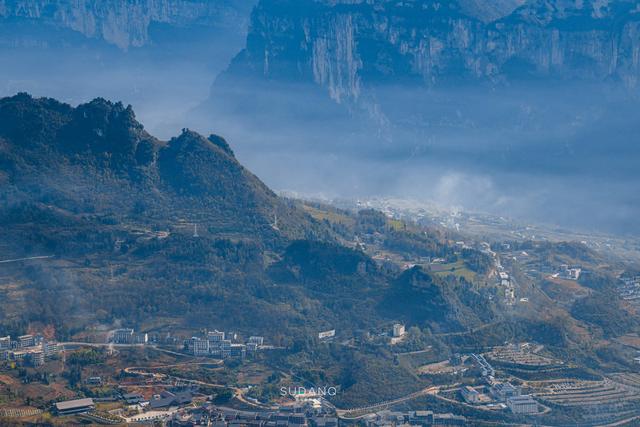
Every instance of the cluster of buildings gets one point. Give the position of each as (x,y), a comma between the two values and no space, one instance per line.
(487,369)
(518,403)
(413,418)
(568,272)
(218,344)
(291,416)
(509,395)
(507,286)
(128,336)
(32,350)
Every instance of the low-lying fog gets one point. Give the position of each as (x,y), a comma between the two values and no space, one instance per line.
(554,153)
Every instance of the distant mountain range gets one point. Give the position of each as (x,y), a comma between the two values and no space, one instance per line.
(347,46)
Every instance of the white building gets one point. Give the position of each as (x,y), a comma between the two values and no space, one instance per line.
(524,405)
(50,348)
(26,341)
(123,336)
(141,338)
(256,340)
(199,347)
(215,336)
(504,279)
(238,350)
(504,391)
(398,330)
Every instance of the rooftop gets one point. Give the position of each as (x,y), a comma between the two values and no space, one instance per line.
(72,404)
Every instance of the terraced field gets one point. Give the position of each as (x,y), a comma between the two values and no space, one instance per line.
(598,401)
(521,355)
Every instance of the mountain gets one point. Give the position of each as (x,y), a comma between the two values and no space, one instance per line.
(96,158)
(509,96)
(157,55)
(120,228)
(144,231)
(123,24)
(345,47)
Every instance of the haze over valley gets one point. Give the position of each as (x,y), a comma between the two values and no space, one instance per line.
(319,213)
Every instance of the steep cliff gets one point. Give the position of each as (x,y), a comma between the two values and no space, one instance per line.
(345,46)
(127,24)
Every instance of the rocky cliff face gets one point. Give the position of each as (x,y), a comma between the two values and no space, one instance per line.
(344,46)
(126,24)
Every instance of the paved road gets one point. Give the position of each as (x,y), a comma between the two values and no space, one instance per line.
(6,261)
(350,413)
(237,392)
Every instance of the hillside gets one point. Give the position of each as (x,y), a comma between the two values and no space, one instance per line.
(177,236)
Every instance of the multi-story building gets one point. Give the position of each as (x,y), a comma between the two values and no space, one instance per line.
(238,350)
(123,336)
(50,348)
(252,347)
(26,341)
(215,336)
(140,338)
(470,394)
(225,348)
(199,347)
(524,405)
(36,358)
(256,340)
(503,391)
(5,343)
(18,356)
(398,330)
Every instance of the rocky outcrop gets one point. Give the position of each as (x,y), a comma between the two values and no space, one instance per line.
(126,24)
(345,46)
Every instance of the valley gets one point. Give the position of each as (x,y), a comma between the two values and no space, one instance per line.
(167,270)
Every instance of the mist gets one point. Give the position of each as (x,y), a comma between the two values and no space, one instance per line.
(559,153)
(555,151)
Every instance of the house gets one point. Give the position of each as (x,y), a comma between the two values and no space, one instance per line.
(76,406)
